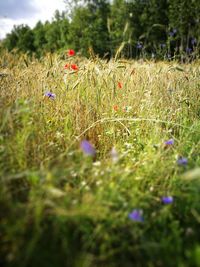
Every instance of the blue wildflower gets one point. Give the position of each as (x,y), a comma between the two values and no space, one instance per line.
(162,45)
(88,148)
(139,45)
(136,215)
(173,32)
(169,142)
(189,50)
(167,200)
(193,41)
(50,95)
(182,161)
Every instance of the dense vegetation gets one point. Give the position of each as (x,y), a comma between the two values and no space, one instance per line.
(131,196)
(147,28)
(100,159)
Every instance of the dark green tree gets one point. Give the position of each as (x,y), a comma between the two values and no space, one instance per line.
(128,28)
(88,28)
(56,32)
(39,38)
(21,38)
(184,17)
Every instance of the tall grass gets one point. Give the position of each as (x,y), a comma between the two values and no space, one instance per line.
(62,208)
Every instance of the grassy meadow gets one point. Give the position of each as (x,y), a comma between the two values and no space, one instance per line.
(63,207)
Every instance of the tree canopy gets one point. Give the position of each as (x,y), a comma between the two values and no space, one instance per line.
(131,27)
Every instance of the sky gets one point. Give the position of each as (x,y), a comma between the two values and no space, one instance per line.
(16,12)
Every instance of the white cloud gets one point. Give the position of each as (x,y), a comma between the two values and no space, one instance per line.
(43,10)
(14,9)
(48,7)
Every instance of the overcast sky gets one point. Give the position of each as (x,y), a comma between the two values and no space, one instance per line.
(15,12)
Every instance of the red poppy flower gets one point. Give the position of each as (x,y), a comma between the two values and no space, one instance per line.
(115,107)
(67,66)
(119,84)
(71,52)
(74,67)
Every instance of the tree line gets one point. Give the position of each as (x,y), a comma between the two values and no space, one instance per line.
(132,28)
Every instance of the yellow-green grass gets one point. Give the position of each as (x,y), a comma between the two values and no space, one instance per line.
(60,207)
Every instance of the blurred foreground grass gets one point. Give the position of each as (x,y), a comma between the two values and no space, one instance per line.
(60,207)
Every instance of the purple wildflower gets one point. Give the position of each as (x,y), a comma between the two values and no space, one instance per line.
(172,32)
(167,200)
(139,45)
(182,161)
(169,142)
(193,41)
(88,148)
(162,45)
(136,215)
(188,50)
(50,95)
